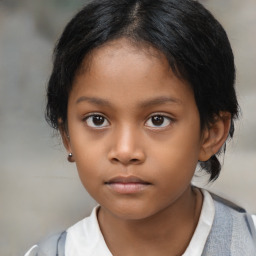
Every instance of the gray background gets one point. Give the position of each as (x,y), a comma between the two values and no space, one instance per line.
(40,192)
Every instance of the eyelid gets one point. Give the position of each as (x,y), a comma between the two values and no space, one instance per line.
(93,114)
(87,116)
(164,115)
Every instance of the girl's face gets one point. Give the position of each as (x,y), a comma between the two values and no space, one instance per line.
(134,130)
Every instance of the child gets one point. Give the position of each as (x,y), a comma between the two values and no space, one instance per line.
(142,91)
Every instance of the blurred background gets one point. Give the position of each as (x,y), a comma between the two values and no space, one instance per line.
(40,192)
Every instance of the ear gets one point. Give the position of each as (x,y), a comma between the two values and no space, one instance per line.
(66,140)
(214,136)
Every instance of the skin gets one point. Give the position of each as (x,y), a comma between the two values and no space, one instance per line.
(137,169)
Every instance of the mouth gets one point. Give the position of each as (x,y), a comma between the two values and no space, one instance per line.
(127,184)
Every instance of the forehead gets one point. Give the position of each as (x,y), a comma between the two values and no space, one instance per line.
(121,67)
(125,47)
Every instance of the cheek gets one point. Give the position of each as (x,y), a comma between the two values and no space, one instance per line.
(88,170)
(89,158)
(173,171)
(178,156)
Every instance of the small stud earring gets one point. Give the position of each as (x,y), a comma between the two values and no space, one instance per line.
(70,155)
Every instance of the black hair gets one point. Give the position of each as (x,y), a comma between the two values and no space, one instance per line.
(193,41)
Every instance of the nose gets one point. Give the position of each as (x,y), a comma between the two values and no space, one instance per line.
(126,147)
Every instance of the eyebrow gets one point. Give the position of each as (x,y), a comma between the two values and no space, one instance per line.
(147,103)
(159,101)
(93,100)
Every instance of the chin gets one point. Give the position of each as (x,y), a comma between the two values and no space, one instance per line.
(130,212)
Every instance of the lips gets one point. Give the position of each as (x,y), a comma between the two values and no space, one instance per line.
(127,185)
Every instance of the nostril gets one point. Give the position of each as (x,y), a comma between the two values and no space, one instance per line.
(115,160)
(131,161)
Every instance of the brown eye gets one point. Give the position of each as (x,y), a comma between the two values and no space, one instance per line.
(96,121)
(158,121)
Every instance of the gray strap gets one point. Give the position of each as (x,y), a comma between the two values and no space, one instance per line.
(220,237)
(61,244)
(52,246)
(232,233)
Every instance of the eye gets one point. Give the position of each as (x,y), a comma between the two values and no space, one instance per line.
(158,121)
(96,121)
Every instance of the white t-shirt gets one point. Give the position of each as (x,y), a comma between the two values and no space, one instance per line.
(85,237)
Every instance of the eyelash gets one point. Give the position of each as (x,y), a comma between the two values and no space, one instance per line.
(165,119)
(89,121)
(89,117)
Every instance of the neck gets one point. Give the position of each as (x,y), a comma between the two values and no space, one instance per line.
(166,233)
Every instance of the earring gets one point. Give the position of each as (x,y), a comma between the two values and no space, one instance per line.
(70,155)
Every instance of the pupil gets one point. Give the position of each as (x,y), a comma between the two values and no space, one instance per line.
(157,120)
(98,120)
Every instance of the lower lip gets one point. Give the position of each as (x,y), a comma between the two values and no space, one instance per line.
(128,188)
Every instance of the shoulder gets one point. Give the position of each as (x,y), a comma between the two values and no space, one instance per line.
(83,233)
(86,238)
(227,208)
(224,202)
(229,212)
(233,230)
(51,246)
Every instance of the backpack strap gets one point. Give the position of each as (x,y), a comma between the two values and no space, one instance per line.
(233,232)
(52,246)
(61,244)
